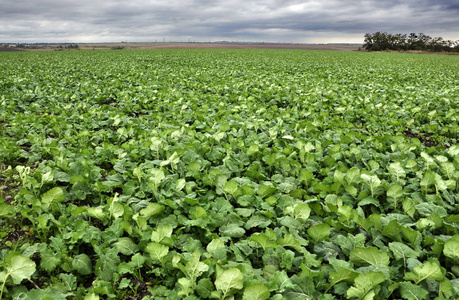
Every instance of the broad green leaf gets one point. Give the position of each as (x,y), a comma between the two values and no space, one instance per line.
(290,241)
(126,246)
(265,191)
(256,291)
(195,267)
(137,260)
(428,270)
(116,210)
(152,209)
(205,288)
(364,285)
(217,249)
(186,286)
(180,184)
(402,251)
(370,256)
(427,180)
(232,188)
(453,150)
(54,195)
(82,264)
(446,289)
(353,176)
(107,264)
(410,291)
(5,210)
(91,296)
(428,209)
(263,240)
(229,282)
(49,260)
(19,268)
(162,235)
(253,149)
(232,230)
(301,211)
(97,212)
(397,170)
(319,232)
(395,192)
(341,275)
(451,248)
(371,180)
(409,207)
(157,251)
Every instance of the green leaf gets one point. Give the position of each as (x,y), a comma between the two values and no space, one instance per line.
(365,284)
(217,249)
(137,260)
(319,232)
(157,251)
(116,210)
(107,264)
(54,195)
(451,248)
(91,296)
(301,211)
(257,291)
(428,180)
(204,288)
(180,184)
(232,188)
(454,150)
(229,282)
(341,275)
(263,240)
(194,268)
(186,286)
(402,251)
(290,241)
(5,210)
(429,270)
(232,230)
(265,191)
(126,246)
(157,176)
(410,291)
(19,267)
(394,192)
(97,212)
(49,260)
(162,235)
(82,264)
(370,256)
(152,209)
(353,176)
(397,170)
(446,289)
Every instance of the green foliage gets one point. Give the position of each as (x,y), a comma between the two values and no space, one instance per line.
(223,174)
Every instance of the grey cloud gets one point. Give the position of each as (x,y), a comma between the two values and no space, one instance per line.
(269,20)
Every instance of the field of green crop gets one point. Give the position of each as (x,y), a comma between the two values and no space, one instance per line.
(229,174)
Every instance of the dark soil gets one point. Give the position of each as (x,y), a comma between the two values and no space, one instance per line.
(425,138)
(7,49)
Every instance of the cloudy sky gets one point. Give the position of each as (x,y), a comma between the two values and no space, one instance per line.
(300,21)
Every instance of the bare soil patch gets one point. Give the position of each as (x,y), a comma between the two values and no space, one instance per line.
(8,49)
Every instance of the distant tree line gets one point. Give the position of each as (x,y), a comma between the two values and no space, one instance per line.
(380,41)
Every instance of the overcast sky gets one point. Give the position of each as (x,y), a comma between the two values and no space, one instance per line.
(306,21)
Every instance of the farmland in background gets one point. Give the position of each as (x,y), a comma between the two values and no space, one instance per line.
(229,174)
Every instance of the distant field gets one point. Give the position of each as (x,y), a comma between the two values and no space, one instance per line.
(228,174)
(103,46)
